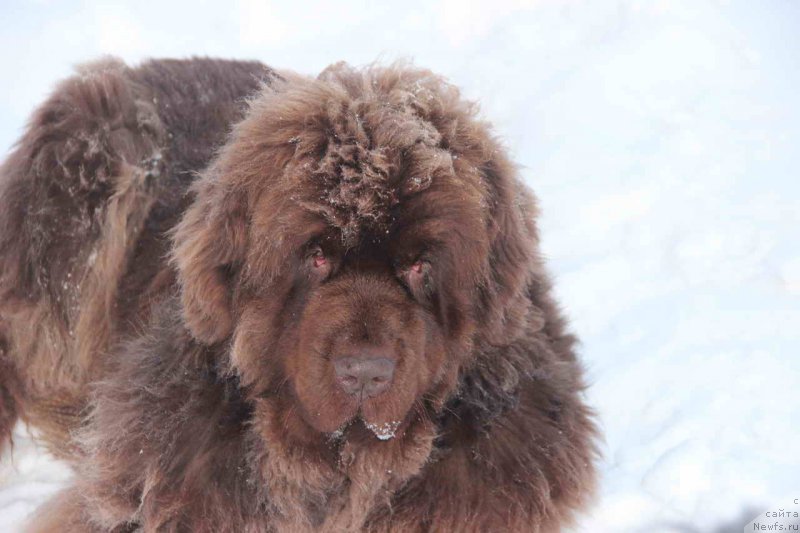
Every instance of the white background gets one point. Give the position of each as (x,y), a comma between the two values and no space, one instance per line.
(661,138)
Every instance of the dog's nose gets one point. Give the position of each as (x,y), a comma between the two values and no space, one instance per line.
(370,375)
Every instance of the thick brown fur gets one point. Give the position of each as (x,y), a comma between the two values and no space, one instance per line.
(174,336)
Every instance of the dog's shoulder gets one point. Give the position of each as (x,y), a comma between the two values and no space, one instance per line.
(87,197)
(110,135)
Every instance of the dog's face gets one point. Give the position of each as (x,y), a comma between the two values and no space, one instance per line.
(355,239)
(372,324)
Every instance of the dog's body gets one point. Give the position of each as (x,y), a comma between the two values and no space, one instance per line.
(200,394)
(88,196)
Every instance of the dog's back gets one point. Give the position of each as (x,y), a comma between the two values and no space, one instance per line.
(87,199)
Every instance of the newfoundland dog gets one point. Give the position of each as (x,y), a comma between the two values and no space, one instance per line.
(239,299)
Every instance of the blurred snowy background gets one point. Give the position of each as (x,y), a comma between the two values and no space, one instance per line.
(661,138)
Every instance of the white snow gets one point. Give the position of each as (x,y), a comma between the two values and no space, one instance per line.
(384,431)
(27,478)
(662,140)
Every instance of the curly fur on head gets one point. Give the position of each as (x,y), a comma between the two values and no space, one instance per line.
(366,214)
(373,155)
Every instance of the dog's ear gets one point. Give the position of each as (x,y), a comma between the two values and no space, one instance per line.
(208,247)
(514,261)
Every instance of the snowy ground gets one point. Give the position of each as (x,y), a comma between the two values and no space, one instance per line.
(662,140)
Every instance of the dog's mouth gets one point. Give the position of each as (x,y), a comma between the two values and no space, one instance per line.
(383,417)
(379,425)
(382,431)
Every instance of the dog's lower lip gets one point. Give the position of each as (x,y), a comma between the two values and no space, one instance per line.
(385,430)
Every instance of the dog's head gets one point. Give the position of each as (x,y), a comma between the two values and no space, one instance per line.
(356,238)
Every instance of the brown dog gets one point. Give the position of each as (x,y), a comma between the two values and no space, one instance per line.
(355,330)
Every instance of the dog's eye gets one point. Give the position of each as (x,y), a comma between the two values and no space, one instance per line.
(320,264)
(415,277)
